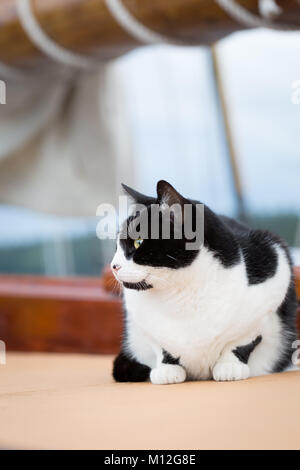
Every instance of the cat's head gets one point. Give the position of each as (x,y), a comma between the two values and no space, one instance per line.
(153,243)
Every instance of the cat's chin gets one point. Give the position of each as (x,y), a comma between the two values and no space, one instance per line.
(139,286)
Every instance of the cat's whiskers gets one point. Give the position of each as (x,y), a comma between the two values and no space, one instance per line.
(114,285)
(171,257)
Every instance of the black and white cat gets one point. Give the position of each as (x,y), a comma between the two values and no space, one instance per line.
(225,311)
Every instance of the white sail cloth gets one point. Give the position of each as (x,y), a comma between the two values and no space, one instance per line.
(63,142)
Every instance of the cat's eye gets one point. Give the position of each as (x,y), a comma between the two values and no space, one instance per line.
(137,243)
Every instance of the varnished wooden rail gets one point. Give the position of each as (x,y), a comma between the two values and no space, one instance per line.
(86,26)
(64,315)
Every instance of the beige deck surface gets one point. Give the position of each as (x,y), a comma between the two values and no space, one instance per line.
(70,401)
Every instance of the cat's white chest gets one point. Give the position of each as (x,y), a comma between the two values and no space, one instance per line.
(186,335)
(204,314)
(189,322)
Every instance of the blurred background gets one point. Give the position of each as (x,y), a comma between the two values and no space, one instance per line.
(94,93)
(175,131)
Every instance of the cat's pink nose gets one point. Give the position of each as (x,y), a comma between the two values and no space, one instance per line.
(116,267)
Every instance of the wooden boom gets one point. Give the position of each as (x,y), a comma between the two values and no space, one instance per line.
(87,26)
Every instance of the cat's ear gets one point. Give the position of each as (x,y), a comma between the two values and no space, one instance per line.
(166,194)
(137,197)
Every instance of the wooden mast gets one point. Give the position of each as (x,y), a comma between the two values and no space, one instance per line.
(86,26)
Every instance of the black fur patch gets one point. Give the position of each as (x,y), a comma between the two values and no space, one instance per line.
(243,352)
(142,285)
(220,239)
(160,252)
(126,369)
(169,359)
(258,248)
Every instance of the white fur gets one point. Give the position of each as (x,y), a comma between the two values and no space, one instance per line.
(228,371)
(200,313)
(167,374)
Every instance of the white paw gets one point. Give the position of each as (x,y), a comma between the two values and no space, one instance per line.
(224,371)
(167,374)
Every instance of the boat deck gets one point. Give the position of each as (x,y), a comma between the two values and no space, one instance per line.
(65,401)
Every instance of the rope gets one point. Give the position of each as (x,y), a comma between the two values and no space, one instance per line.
(268,9)
(134,27)
(46,44)
(71,59)
(242,15)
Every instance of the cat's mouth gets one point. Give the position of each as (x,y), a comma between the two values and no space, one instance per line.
(142,285)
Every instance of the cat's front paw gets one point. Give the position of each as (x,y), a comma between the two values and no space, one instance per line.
(167,374)
(228,371)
